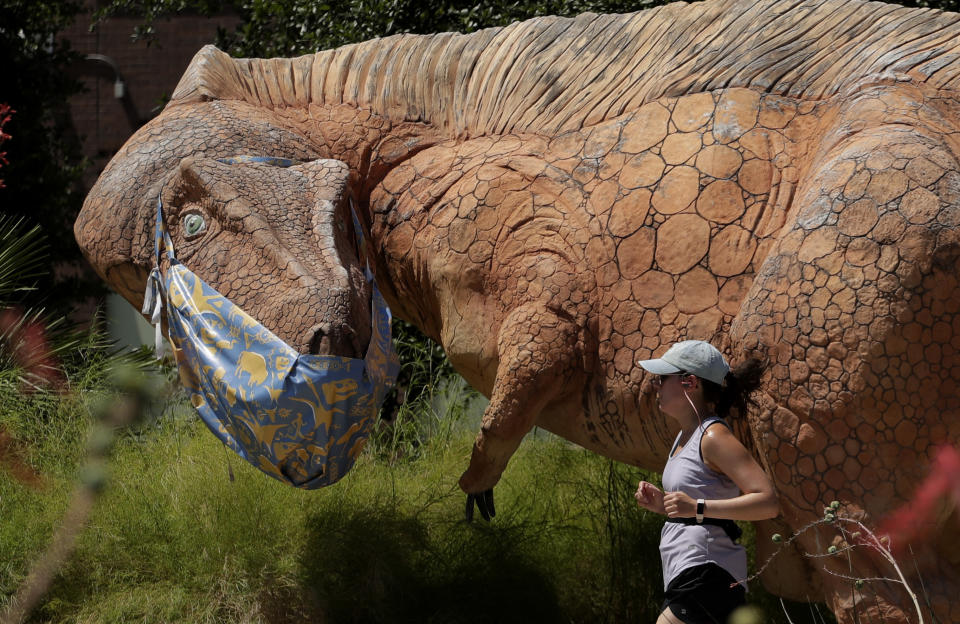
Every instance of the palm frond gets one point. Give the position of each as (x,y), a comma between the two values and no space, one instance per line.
(22,256)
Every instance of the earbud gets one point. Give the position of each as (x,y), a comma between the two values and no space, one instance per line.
(686,383)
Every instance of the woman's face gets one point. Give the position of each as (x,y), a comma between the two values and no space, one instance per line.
(673,391)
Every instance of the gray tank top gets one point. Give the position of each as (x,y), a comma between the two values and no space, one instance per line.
(683,546)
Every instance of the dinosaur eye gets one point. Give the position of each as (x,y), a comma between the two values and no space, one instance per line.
(194,224)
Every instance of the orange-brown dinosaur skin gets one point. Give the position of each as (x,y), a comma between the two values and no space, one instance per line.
(820,234)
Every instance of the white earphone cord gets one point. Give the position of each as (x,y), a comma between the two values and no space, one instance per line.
(695,410)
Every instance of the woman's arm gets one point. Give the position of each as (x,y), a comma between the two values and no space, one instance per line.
(723,452)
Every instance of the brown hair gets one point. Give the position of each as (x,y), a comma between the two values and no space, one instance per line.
(739,385)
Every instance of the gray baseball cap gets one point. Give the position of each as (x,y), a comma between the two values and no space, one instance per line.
(690,356)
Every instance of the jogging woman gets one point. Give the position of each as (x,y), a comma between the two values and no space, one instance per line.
(710,480)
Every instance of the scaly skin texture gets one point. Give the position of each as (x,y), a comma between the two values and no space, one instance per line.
(818,234)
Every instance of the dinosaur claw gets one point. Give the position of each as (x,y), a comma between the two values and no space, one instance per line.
(488,500)
(484,502)
(482,506)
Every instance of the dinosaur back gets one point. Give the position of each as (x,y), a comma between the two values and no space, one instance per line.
(550,74)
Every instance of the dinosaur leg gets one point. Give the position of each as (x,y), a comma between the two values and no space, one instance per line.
(857,309)
(537,363)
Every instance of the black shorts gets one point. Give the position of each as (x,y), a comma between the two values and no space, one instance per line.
(702,595)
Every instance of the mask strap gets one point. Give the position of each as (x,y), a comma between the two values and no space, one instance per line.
(152,296)
(161,232)
(360,240)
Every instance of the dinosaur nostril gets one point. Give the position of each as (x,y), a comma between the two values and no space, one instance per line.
(319,343)
(332,341)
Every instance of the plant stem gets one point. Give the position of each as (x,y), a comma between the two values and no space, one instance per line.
(41,575)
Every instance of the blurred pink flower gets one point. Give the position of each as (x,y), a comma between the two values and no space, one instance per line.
(26,342)
(914,520)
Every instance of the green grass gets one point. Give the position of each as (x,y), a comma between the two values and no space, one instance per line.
(174,539)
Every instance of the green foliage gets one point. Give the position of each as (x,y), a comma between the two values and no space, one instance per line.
(269,28)
(50,376)
(175,540)
(27,355)
(943,5)
(22,258)
(39,349)
(286,29)
(45,163)
(151,10)
(428,401)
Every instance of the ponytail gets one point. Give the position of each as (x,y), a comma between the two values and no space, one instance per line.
(739,385)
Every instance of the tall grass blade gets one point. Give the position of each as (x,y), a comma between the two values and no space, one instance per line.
(22,256)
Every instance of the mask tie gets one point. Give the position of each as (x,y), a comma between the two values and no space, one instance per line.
(360,242)
(153,295)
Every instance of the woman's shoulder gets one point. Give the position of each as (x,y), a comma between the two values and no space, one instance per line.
(717,436)
(713,423)
(717,429)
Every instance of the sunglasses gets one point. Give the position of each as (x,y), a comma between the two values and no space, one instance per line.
(659,380)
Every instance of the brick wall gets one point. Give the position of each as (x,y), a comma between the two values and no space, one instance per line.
(149,74)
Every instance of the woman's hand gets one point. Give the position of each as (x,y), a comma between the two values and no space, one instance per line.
(649,497)
(679,505)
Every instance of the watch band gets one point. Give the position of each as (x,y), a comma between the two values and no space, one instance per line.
(701,504)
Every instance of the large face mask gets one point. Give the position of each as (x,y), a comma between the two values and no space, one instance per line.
(302,419)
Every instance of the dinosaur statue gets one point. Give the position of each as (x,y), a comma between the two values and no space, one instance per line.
(554,200)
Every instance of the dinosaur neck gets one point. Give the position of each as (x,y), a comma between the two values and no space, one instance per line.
(377,150)
(372,146)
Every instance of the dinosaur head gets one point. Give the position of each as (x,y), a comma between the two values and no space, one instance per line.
(277,241)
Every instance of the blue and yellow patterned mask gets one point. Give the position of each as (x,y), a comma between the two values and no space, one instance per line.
(302,419)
